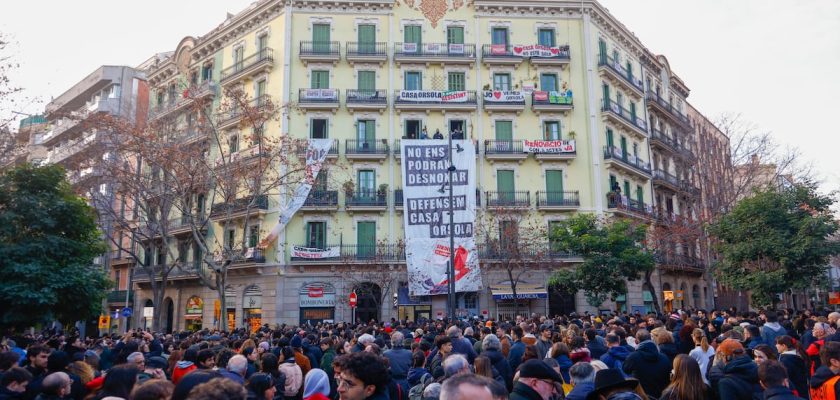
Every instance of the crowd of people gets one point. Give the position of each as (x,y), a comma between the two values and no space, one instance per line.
(684,355)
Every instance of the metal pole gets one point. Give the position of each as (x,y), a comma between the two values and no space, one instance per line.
(450,271)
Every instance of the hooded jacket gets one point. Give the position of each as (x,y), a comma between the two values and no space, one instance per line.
(615,355)
(416,374)
(565,363)
(736,380)
(670,350)
(596,349)
(650,367)
(797,370)
(770,331)
(182,368)
(497,359)
(823,375)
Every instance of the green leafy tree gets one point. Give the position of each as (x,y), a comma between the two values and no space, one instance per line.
(48,241)
(776,240)
(613,253)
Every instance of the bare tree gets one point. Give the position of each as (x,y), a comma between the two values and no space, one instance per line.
(373,263)
(11,101)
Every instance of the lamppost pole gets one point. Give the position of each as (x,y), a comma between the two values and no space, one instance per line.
(450,271)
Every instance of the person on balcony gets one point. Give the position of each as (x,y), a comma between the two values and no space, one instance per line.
(437,135)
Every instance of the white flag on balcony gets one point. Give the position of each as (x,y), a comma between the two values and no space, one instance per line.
(426,201)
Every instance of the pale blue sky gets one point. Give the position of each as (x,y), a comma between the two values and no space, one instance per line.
(776,62)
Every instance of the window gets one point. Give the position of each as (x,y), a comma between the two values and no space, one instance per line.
(259,91)
(196,254)
(318,129)
(238,56)
(615,57)
(147,256)
(366,238)
(501,82)
(321,38)
(548,82)
(619,99)
(629,70)
(200,204)
(262,44)
(623,143)
(233,143)
(367,184)
(316,235)
(455,35)
(636,150)
(632,111)
(230,239)
(545,36)
(117,279)
(457,125)
(253,235)
(505,186)
(640,195)
(470,300)
(602,51)
(183,251)
(413,34)
(499,36)
(367,81)
(508,233)
(207,72)
(627,189)
(551,130)
(320,79)
(614,183)
(413,80)
(412,129)
(504,130)
(367,38)
(457,81)
(605,89)
(610,142)
(554,186)
(366,133)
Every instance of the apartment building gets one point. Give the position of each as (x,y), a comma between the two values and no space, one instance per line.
(369,74)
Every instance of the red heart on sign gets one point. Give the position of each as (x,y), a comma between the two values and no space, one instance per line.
(555,50)
(497,95)
(517,49)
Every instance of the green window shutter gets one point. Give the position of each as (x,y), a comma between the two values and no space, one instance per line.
(320,184)
(262,43)
(499,36)
(413,34)
(627,189)
(606,94)
(366,132)
(501,82)
(413,80)
(320,79)
(629,70)
(640,195)
(546,37)
(316,234)
(548,82)
(613,182)
(504,130)
(602,51)
(367,80)
(554,186)
(504,181)
(253,237)
(623,142)
(455,35)
(367,183)
(321,38)
(457,81)
(366,238)
(552,130)
(610,141)
(633,111)
(367,38)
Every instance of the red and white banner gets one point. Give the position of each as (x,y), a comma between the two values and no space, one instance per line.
(502,96)
(548,146)
(455,96)
(498,49)
(538,50)
(315,254)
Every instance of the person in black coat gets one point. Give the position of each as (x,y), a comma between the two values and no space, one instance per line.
(792,358)
(492,350)
(596,348)
(772,375)
(736,377)
(650,367)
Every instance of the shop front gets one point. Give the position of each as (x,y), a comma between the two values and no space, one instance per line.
(414,308)
(230,308)
(317,302)
(194,313)
(530,298)
(252,308)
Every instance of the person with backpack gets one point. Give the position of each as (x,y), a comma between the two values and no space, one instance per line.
(616,353)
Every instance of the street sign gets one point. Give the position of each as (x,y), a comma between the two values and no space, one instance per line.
(126,312)
(353,299)
(104,321)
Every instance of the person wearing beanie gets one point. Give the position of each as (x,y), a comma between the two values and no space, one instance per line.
(316,386)
(301,359)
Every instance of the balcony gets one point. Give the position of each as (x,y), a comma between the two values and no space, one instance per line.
(504,150)
(76,120)
(551,102)
(366,100)
(367,52)
(435,100)
(303,144)
(203,90)
(248,206)
(398,199)
(617,74)
(509,200)
(558,200)
(552,150)
(234,116)
(561,56)
(503,101)
(140,274)
(614,157)
(679,263)
(664,107)
(366,149)
(663,141)
(320,52)
(60,153)
(535,252)
(119,296)
(260,62)
(628,207)
(366,200)
(242,260)
(83,175)
(619,115)
(183,224)
(347,253)
(664,179)
(242,157)
(321,200)
(689,188)
(318,99)
(499,54)
(434,53)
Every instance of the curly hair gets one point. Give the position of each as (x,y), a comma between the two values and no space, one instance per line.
(368,368)
(218,389)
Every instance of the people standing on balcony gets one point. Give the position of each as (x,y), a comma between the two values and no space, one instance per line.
(424,134)
(437,135)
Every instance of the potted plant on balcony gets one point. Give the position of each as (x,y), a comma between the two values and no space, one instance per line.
(348,187)
(382,191)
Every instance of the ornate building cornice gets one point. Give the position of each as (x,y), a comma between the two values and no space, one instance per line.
(234,27)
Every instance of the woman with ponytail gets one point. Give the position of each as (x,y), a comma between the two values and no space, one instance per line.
(793,357)
(702,352)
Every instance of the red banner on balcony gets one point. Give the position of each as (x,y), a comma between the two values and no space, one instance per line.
(548,146)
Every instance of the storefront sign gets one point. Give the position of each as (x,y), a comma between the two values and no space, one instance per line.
(252,301)
(317,294)
(554,97)
(195,306)
(427,228)
(502,96)
(315,254)
(455,96)
(538,50)
(548,146)
(320,94)
(523,292)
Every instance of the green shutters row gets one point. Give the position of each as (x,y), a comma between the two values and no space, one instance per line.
(367,80)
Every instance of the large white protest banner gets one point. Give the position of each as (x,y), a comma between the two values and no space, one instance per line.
(426,196)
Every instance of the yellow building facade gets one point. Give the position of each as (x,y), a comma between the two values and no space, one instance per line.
(497,73)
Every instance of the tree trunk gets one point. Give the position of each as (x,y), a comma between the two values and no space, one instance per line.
(513,292)
(158,309)
(649,285)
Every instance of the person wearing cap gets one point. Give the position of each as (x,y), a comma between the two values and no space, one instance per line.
(733,375)
(301,359)
(537,381)
(153,369)
(610,384)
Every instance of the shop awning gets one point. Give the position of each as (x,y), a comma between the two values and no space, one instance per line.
(192,316)
(404,299)
(523,291)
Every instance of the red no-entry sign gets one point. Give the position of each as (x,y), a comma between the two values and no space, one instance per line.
(353,299)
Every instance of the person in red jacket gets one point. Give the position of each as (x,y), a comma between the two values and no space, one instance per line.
(185,366)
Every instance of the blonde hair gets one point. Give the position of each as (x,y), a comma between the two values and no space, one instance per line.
(661,335)
(701,339)
(83,370)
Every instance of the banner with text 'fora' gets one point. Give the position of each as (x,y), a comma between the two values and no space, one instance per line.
(426,211)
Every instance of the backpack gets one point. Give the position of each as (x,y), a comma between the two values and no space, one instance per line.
(416,391)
